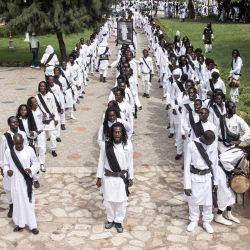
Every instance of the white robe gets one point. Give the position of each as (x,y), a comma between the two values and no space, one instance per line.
(23,210)
(113,188)
(3,147)
(200,184)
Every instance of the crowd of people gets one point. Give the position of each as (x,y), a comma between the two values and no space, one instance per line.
(208,132)
(36,127)
(205,125)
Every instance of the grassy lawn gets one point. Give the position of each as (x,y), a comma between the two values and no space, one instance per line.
(227,37)
(21,55)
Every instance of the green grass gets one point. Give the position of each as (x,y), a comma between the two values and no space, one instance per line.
(227,38)
(21,55)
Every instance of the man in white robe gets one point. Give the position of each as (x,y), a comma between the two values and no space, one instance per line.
(23,200)
(198,176)
(50,60)
(114,181)
(231,159)
(203,125)
(146,70)
(4,145)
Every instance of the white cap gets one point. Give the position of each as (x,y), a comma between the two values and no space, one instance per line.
(177,71)
(178,33)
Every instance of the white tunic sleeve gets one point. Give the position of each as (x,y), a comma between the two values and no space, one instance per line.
(245,128)
(101,162)
(35,165)
(130,162)
(187,163)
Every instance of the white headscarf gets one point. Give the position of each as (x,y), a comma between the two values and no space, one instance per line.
(49,50)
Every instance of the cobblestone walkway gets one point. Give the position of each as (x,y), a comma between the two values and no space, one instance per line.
(68,205)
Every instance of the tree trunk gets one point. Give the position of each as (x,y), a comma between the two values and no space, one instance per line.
(61,45)
(191,12)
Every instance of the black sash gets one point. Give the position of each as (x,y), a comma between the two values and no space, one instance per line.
(190,111)
(216,111)
(223,126)
(150,70)
(49,59)
(9,140)
(103,56)
(204,154)
(20,125)
(56,80)
(180,86)
(44,104)
(205,157)
(198,129)
(59,109)
(27,178)
(114,164)
(211,85)
(68,84)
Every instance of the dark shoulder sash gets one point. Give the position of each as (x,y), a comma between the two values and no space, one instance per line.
(198,129)
(20,125)
(180,86)
(190,111)
(112,160)
(59,109)
(44,104)
(9,140)
(56,80)
(28,179)
(146,64)
(216,111)
(211,85)
(49,59)
(68,84)
(203,153)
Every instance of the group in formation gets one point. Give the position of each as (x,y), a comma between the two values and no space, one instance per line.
(207,130)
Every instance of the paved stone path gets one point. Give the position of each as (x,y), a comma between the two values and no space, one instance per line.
(68,205)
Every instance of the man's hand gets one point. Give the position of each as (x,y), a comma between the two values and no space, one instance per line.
(188,192)
(130,183)
(183,137)
(168,107)
(9,172)
(99,182)
(27,170)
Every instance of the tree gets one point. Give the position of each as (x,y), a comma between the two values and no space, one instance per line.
(191,12)
(53,16)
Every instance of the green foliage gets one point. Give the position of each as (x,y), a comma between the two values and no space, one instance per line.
(21,55)
(227,38)
(52,16)
(65,16)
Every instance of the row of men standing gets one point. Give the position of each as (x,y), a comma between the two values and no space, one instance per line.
(37,126)
(206,127)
